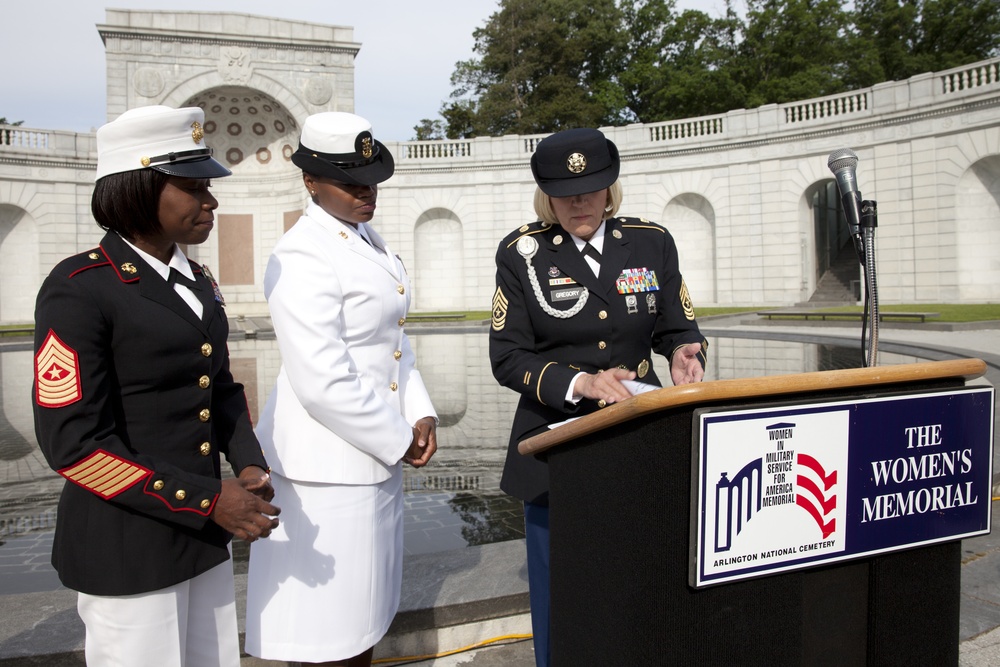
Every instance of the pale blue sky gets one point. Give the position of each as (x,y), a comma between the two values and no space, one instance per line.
(54,70)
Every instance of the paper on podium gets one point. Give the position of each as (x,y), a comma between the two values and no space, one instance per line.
(634,388)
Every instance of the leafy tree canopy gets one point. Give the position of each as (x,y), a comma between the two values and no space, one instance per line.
(544,65)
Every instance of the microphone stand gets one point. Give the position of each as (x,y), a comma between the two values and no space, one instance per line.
(869,221)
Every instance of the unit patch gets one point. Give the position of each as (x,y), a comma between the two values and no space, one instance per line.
(105,474)
(57,374)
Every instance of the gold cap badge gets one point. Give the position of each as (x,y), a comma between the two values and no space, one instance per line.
(576,163)
(196,133)
(366,147)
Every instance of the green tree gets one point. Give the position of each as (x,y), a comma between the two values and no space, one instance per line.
(428,129)
(542,65)
(679,66)
(793,50)
(902,38)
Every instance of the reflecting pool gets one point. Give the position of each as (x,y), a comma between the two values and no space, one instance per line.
(454,502)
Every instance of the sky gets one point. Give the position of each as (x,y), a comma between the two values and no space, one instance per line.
(54,73)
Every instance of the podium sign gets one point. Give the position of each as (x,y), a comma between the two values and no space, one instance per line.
(781,488)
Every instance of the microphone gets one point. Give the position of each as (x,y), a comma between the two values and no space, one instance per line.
(843,162)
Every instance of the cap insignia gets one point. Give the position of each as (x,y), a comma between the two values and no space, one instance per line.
(197,133)
(576,163)
(366,147)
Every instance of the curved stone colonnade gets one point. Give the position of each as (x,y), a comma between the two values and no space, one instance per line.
(747,194)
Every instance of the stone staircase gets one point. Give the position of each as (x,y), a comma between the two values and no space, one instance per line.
(841,283)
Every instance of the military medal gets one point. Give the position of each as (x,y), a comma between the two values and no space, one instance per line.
(215,285)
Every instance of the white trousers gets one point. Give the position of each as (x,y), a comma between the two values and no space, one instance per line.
(190,624)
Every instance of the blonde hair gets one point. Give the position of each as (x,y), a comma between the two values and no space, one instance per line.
(545,213)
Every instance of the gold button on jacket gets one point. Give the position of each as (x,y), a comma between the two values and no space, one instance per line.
(206,350)
(204,415)
(181,494)
(205,449)
(204,381)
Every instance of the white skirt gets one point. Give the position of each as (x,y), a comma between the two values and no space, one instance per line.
(325,585)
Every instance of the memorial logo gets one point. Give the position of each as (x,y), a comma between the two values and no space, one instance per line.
(775,491)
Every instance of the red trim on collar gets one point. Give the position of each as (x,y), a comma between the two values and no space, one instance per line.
(118,270)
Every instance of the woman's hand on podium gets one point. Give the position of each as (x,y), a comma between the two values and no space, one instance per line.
(685,367)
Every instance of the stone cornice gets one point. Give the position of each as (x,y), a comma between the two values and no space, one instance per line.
(108,32)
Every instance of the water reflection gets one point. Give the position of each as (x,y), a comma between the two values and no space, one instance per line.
(456,501)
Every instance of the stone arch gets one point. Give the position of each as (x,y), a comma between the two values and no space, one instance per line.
(20,268)
(197,85)
(439,263)
(250,132)
(691,220)
(978,230)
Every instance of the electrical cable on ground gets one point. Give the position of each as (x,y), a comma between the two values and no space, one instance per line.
(411,659)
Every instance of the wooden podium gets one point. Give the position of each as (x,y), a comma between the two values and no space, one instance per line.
(622,529)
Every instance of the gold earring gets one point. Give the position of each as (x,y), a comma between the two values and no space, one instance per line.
(312,192)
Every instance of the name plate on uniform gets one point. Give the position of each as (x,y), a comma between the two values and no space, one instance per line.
(794,486)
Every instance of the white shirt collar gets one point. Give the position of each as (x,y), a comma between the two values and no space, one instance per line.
(177,261)
(597,240)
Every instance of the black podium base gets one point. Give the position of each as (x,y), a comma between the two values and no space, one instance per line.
(620,522)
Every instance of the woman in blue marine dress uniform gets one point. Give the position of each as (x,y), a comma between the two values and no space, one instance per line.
(583,299)
(135,404)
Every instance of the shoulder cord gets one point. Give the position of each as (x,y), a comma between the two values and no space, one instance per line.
(554,312)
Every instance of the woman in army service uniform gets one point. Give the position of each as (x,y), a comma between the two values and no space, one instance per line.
(134,404)
(582,300)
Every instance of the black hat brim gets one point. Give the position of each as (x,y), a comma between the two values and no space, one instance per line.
(376,171)
(581,184)
(201,167)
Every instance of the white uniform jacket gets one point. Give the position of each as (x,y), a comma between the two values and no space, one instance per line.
(347,392)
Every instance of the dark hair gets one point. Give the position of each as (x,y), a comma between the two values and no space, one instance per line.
(128,202)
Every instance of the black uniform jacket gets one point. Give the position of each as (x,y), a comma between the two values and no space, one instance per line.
(134,403)
(638,303)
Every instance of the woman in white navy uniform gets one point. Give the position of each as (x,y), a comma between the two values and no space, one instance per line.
(135,404)
(348,407)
